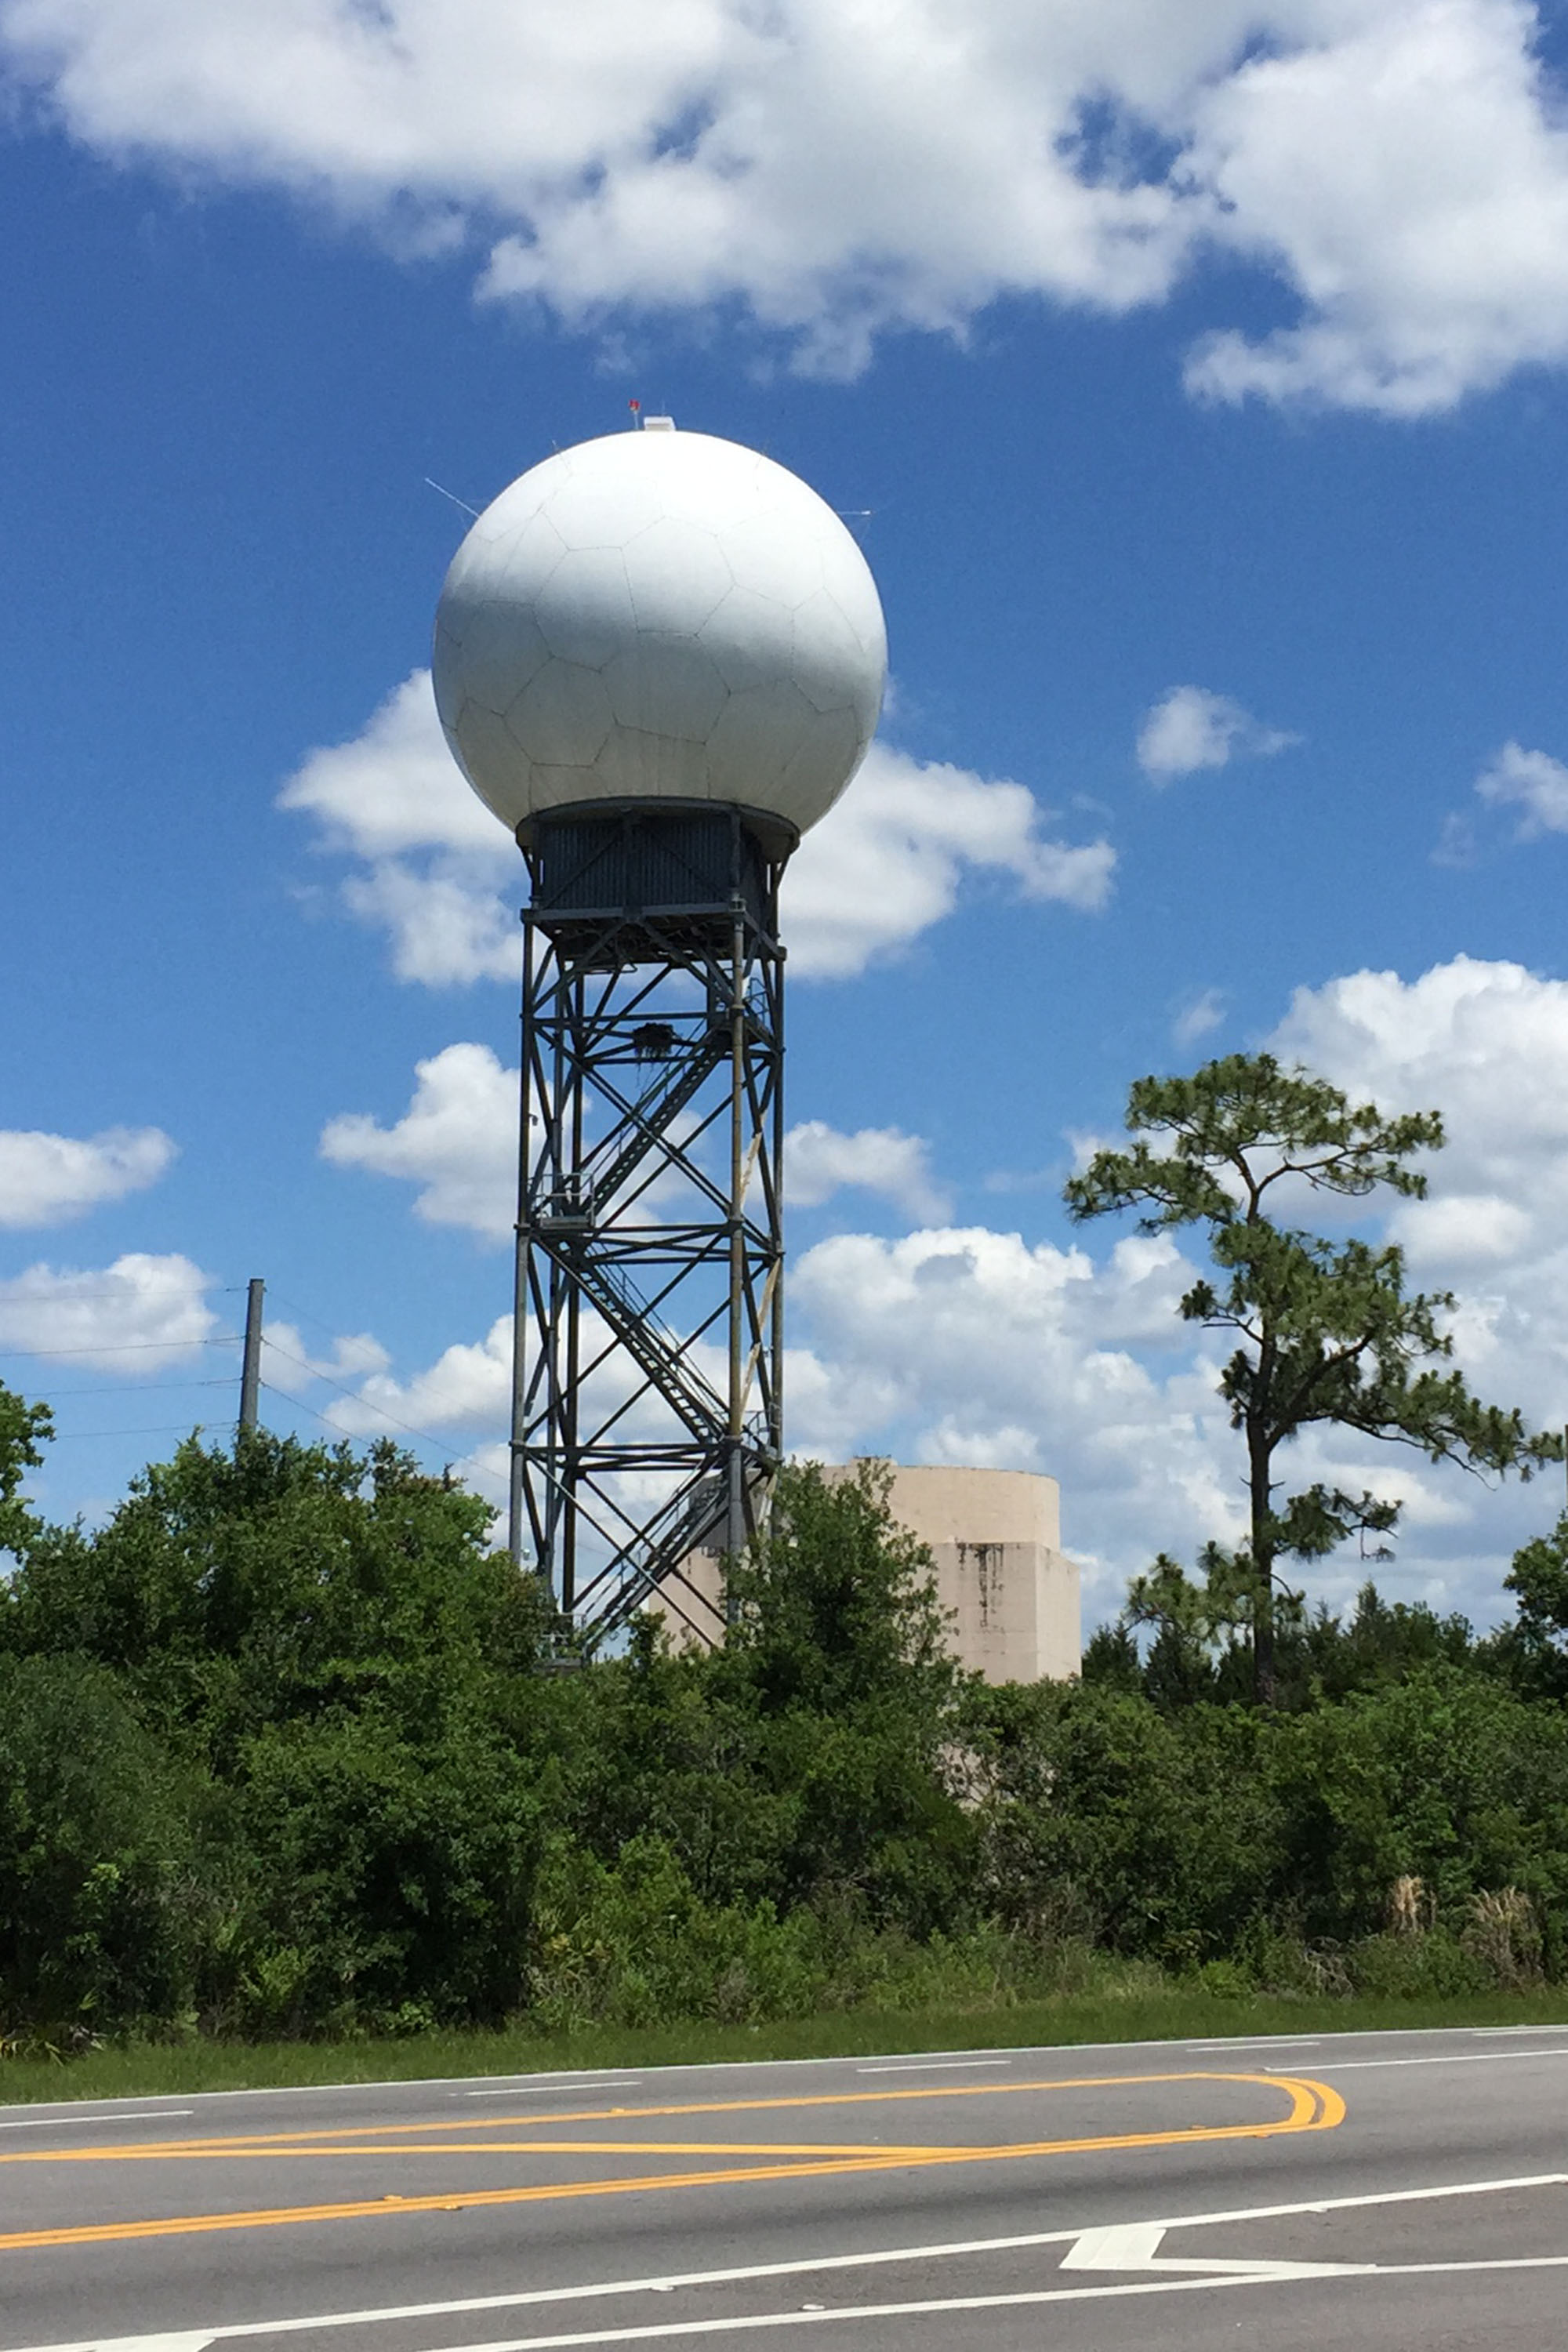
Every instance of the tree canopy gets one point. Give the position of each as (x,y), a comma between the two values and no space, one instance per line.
(276,1758)
(1327,1332)
(23,1428)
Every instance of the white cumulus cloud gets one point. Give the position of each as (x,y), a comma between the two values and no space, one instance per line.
(1199,1016)
(46,1180)
(438,873)
(290,1364)
(894,854)
(139,1315)
(1404,165)
(445,927)
(1192,729)
(820,1161)
(1398,168)
(1533,782)
(468,1386)
(458,1141)
(396,787)
(972,1346)
(1486,1044)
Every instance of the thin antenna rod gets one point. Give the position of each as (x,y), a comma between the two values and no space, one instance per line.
(456,501)
(250,1376)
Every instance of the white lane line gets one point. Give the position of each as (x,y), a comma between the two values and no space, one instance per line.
(111,2111)
(932,2066)
(1453,2058)
(1263,2042)
(1037,2052)
(591,2080)
(855,2311)
(137,2115)
(1231,2275)
(1262,2274)
(743,2276)
(165,2343)
(1375,2196)
(526,2090)
(562,2079)
(1479,2031)
(819,2264)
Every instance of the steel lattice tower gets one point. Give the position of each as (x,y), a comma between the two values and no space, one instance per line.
(647,1413)
(659,658)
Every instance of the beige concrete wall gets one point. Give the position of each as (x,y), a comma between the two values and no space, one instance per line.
(1001,1573)
(692,1603)
(1002,1576)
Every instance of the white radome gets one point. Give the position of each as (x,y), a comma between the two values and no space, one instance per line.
(659,615)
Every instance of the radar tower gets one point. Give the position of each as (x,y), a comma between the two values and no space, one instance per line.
(659,657)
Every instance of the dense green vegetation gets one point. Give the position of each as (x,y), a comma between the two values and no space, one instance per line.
(276,1758)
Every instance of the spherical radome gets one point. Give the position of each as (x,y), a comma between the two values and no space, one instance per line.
(659,615)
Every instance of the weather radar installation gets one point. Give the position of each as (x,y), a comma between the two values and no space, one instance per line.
(659,657)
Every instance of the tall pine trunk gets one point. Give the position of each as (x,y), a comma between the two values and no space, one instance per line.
(1259,1488)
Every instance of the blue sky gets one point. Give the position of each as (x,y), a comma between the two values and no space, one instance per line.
(1222,416)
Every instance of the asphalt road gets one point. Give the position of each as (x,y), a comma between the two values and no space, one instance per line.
(1373,2191)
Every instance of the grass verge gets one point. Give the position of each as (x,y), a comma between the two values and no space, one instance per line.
(154,2070)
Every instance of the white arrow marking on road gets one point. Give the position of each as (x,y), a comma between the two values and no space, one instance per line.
(1131,2246)
(1219,2275)
(1135,2246)
(394,2313)
(154,2343)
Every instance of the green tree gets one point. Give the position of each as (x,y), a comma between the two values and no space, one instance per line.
(22,1427)
(239,1589)
(1533,1650)
(1384,1644)
(1326,1330)
(98,1917)
(317,1657)
(845,1703)
(1201,1629)
(1201,1626)
(1153,1833)
(387,1871)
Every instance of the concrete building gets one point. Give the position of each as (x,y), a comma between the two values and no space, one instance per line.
(1002,1576)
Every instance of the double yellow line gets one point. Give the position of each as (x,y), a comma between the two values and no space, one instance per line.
(1312,2106)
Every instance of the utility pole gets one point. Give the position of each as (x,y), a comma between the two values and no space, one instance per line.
(251,1375)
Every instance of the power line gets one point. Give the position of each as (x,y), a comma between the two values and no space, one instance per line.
(304,1314)
(453,1461)
(129,1347)
(294,1307)
(233,1339)
(126,1295)
(457,1461)
(354,1397)
(137,1388)
(164,1429)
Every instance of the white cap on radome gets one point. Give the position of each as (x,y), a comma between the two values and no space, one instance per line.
(659,615)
